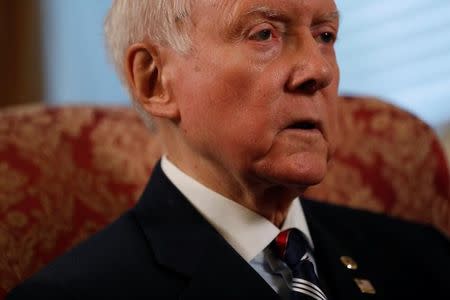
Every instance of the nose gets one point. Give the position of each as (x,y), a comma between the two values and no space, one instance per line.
(312,69)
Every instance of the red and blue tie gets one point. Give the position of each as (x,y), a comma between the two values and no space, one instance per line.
(293,248)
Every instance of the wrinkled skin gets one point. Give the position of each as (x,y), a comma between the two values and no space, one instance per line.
(251,109)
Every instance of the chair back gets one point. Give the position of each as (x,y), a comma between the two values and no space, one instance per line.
(67,171)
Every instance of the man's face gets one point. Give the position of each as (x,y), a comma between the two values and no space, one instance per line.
(257,95)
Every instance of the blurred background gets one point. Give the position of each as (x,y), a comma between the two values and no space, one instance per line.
(52,51)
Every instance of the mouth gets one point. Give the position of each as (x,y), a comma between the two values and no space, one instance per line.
(305,125)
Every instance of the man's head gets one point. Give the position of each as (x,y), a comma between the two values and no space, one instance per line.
(248,105)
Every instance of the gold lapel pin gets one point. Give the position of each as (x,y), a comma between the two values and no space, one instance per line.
(349,263)
(365,286)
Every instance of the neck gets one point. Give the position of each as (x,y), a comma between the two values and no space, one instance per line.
(272,202)
(266,199)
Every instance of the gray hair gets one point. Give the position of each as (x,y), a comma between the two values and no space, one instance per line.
(133,21)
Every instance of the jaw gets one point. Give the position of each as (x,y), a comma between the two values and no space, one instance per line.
(296,158)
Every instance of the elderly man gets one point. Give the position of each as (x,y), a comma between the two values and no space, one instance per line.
(243,94)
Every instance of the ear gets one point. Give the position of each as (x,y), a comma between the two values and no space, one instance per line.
(146,78)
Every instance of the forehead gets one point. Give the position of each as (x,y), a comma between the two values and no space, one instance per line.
(227,10)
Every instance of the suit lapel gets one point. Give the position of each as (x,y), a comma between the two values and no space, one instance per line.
(338,280)
(223,274)
(183,241)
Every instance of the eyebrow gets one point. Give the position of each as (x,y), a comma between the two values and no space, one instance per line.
(267,12)
(330,17)
(270,13)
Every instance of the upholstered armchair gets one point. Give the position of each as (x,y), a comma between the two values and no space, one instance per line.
(67,171)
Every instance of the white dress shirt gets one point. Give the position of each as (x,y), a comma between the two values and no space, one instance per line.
(246,231)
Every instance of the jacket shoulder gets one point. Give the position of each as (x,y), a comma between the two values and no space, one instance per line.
(116,262)
(395,253)
(378,224)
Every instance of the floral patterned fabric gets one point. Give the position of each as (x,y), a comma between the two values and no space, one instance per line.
(388,161)
(66,172)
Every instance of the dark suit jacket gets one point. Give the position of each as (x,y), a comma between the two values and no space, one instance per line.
(163,249)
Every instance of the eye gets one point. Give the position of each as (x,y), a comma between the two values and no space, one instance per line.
(262,35)
(327,37)
(264,32)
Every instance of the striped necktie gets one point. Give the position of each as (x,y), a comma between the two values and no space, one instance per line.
(293,248)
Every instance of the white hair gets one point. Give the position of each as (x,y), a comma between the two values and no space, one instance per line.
(133,21)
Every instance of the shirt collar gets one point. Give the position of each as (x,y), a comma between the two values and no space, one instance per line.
(246,231)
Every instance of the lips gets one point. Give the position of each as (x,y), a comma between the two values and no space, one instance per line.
(307,126)
(304,125)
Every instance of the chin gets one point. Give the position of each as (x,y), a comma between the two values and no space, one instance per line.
(296,171)
(307,175)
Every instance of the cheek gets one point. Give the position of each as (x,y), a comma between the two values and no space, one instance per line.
(248,110)
(230,107)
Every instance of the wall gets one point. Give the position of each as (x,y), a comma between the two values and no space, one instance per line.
(21,79)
